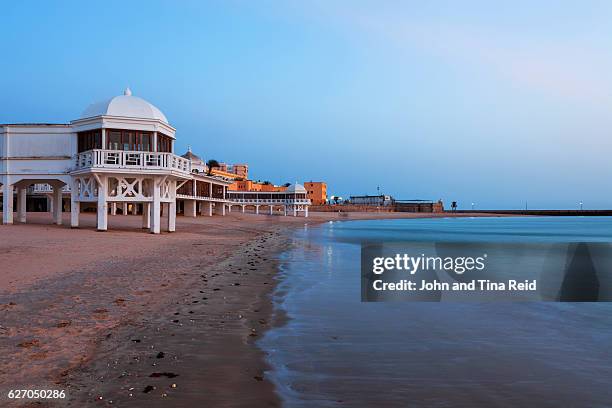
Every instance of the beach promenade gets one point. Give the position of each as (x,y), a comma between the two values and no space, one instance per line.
(131,318)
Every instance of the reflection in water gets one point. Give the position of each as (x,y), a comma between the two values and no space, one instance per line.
(580,283)
(337,351)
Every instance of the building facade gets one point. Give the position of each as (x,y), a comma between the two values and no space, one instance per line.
(375,200)
(118,156)
(316,192)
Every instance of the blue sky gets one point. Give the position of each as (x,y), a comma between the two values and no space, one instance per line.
(495,103)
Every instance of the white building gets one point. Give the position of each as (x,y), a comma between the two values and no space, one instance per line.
(119,153)
(293,200)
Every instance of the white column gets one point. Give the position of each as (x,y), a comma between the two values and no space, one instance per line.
(306,212)
(75,205)
(156,208)
(49,204)
(103,138)
(172,216)
(271,209)
(256,209)
(190,208)
(295,210)
(113,208)
(146,215)
(124,209)
(243,207)
(210,209)
(7,203)
(285,209)
(102,205)
(57,204)
(21,203)
(154,141)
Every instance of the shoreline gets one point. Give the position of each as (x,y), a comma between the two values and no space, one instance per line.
(66,329)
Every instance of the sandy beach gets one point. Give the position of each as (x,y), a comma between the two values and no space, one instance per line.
(131,319)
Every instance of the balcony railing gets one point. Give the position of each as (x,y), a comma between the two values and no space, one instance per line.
(45,189)
(267,201)
(127,159)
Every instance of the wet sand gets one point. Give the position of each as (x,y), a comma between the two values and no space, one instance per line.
(130,319)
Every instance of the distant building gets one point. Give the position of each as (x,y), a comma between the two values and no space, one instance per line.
(377,200)
(198,165)
(316,191)
(236,171)
(250,185)
(418,206)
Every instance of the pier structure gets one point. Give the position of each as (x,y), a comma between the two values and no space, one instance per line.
(119,154)
(118,157)
(291,201)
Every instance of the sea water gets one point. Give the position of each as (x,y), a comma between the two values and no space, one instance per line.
(335,350)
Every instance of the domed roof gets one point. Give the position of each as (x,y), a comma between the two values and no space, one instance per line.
(191,156)
(127,106)
(295,188)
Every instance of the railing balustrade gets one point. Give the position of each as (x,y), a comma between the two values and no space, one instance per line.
(266,201)
(126,159)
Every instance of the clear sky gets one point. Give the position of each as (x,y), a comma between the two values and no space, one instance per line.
(495,103)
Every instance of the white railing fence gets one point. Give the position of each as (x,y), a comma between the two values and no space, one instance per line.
(43,188)
(266,201)
(126,159)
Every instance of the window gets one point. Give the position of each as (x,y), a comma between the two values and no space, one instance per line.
(113,139)
(128,140)
(89,140)
(164,143)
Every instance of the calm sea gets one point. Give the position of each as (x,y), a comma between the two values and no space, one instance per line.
(337,351)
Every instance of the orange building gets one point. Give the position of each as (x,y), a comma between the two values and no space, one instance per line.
(241,170)
(250,185)
(217,171)
(238,170)
(316,191)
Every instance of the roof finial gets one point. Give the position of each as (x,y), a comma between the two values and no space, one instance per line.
(127,92)
(189,148)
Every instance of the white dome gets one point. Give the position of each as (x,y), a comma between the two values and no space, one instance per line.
(296,188)
(125,106)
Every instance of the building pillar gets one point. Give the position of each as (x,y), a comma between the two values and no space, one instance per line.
(256,209)
(220,208)
(271,210)
(103,138)
(306,212)
(285,209)
(21,203)
(206,208)
(49,204)
(190,208)
(156,208)
(124,209)
(7,203)
(102,204)
(243,207)
(113,208)
(146,215)
(75,206)
(57,204)
(295,210)
(172,216)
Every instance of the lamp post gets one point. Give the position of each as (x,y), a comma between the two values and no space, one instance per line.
(581,206)
(472,206)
